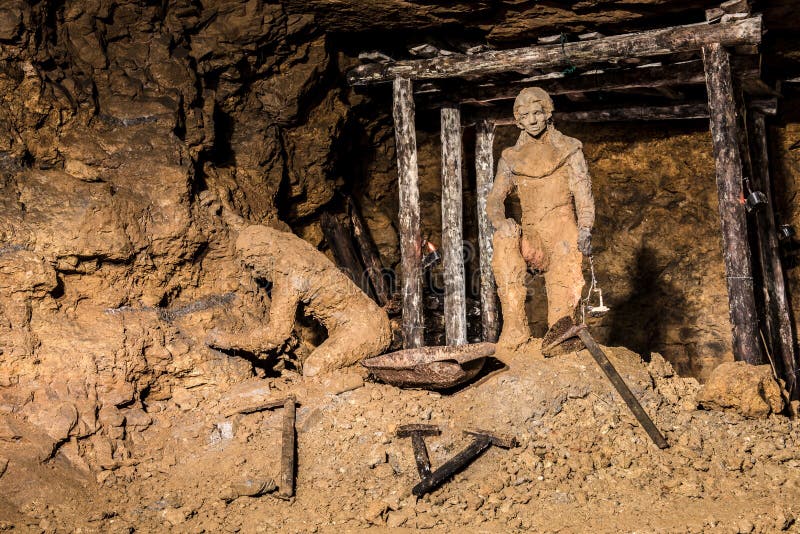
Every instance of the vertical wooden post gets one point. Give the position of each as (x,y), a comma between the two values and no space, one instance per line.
(408,185)
(757,234)
(777,288)
(369,253)
(484,178)
(341,244)
(455,305)
(735,248)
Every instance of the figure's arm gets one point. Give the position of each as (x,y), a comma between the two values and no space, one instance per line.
(580,184)
(282,310)
(495,200)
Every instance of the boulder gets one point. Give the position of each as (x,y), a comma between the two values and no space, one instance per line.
(749,390)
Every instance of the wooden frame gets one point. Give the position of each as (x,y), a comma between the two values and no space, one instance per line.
(741,31)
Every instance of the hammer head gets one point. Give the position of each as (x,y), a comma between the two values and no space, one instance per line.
(498,440)
(406,431)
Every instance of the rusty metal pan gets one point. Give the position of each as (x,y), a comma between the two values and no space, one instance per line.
(430,367)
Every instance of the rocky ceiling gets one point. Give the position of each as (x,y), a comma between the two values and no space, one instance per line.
(393,25)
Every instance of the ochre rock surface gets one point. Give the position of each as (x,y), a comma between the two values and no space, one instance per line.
(747,389)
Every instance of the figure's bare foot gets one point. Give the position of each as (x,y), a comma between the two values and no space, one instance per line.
(321,364)
(511,339)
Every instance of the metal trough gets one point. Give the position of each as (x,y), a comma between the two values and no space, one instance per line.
(430,367)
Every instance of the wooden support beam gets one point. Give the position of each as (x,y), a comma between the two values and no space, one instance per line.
(696,110)
(641,113)
(735,248)
(686,73)
(369,254)
(484,178)
(455,304)
(341,244)
(778,297)
(408,186)
(634,45)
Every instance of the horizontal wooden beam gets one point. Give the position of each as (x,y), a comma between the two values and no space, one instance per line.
(695,110)
(686,73)
(643,44)
(643,113)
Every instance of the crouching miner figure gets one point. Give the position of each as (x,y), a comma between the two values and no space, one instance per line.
(357,327)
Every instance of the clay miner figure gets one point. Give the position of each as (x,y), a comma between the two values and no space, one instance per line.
(357,327)
(548,171)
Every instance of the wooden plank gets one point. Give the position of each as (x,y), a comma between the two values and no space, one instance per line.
(695,110)
(757,236)
(644,113)
(686,73)
(408,186)
(736,251)
(455,305)
(369,254)
(778,296)
(634,45)
(341,244)
(484,178)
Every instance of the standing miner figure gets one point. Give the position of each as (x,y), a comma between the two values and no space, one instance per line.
(548,171)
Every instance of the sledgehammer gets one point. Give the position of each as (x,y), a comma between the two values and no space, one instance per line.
(625,392)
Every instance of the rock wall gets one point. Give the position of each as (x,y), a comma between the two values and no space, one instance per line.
(124,126)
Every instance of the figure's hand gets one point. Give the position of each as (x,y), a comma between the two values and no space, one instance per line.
(533,256)
(508,227)
(585,241)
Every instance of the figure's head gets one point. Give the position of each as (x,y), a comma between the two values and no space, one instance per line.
(533,109)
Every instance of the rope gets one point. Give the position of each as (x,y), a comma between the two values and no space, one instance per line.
(592,286)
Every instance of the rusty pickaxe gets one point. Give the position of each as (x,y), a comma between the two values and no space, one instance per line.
(582,331)
(483,440)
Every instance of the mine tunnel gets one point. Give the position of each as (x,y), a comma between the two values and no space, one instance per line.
(493,266)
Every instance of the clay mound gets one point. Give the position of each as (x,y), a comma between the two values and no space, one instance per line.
(747,389)
(583,462)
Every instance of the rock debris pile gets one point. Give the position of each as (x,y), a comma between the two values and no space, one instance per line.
(184,463)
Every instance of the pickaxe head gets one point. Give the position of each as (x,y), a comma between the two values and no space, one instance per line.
(406,431)
(498,440)
(570,333)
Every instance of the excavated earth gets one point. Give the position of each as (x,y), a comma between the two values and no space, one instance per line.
(184,465)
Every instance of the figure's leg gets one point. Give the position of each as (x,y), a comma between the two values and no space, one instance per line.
(250,340)
(367,335)
(563,281)
(509,273)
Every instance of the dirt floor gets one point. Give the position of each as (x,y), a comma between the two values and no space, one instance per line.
(583,464)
